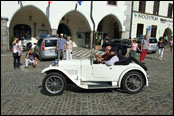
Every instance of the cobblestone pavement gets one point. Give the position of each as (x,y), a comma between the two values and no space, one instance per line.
(22,93)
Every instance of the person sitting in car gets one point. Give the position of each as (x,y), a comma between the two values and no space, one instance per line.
(112,58)
(105,56)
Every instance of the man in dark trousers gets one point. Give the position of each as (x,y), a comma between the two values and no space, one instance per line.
(61,46)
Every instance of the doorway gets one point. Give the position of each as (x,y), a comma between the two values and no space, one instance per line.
(22,30)
(64,29)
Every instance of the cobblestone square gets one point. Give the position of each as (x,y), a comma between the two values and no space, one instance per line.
(21,92)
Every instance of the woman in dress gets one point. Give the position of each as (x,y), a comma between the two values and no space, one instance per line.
(134,48)
(69,46)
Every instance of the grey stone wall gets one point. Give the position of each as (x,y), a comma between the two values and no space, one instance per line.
(127,22)
(4,35)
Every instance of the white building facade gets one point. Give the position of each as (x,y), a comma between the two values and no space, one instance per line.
(156,14)
(29,19)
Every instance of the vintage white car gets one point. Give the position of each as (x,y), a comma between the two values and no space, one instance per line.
(128,74)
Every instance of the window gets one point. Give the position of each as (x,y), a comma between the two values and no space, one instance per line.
(156,7)
(153,31)
(112,2)
(152,40)
(50,43)
(39,42)
(170,10)
(140,29)
(116,33)
(142,6)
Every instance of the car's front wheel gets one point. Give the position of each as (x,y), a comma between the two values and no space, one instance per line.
(54,83)
(133,82)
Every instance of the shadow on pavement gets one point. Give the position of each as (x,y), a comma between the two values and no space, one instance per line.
(75,89)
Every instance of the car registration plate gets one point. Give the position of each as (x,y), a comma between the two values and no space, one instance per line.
(52,50)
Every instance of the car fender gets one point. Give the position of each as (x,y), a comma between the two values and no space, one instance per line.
(51,68)
(75,81)
(133,69)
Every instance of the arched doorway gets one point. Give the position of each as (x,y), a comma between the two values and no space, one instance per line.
(111,26)
(29,21)
(22,30)
(75,24)
(63,28)
(167,32)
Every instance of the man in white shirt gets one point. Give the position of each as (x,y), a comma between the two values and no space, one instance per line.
(114,58)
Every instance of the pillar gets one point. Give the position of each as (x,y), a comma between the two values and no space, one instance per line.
(4,35)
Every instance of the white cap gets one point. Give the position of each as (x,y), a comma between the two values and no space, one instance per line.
(61,34)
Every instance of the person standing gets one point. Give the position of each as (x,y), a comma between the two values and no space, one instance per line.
(144,47)
(128,44)
(16,53)
(134,48)
(161,45)
(61,46)
(171,45)
(69,46)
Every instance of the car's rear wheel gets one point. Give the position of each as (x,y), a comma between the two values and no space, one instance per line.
(54,83)
(133,82)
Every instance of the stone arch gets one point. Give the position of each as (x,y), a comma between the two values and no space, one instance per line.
(78,26)
(168,32)
(109,24)
(32,16)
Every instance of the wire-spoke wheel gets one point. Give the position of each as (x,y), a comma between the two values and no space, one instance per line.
(133,82)
(54,83)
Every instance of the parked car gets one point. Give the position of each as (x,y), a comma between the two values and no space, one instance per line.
(119,44)
(46,48)
(152,46)
(128,74)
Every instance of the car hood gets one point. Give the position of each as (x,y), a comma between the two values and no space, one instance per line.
(69,62)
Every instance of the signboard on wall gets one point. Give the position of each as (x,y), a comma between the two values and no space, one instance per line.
(145,16)
(152,17)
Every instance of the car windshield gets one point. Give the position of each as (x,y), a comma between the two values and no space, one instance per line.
(50,43)
(153,40)
(115,41)
(124,41)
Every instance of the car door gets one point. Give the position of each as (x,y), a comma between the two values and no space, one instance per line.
(101,72)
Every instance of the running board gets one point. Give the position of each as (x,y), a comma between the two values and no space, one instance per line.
(99,85)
